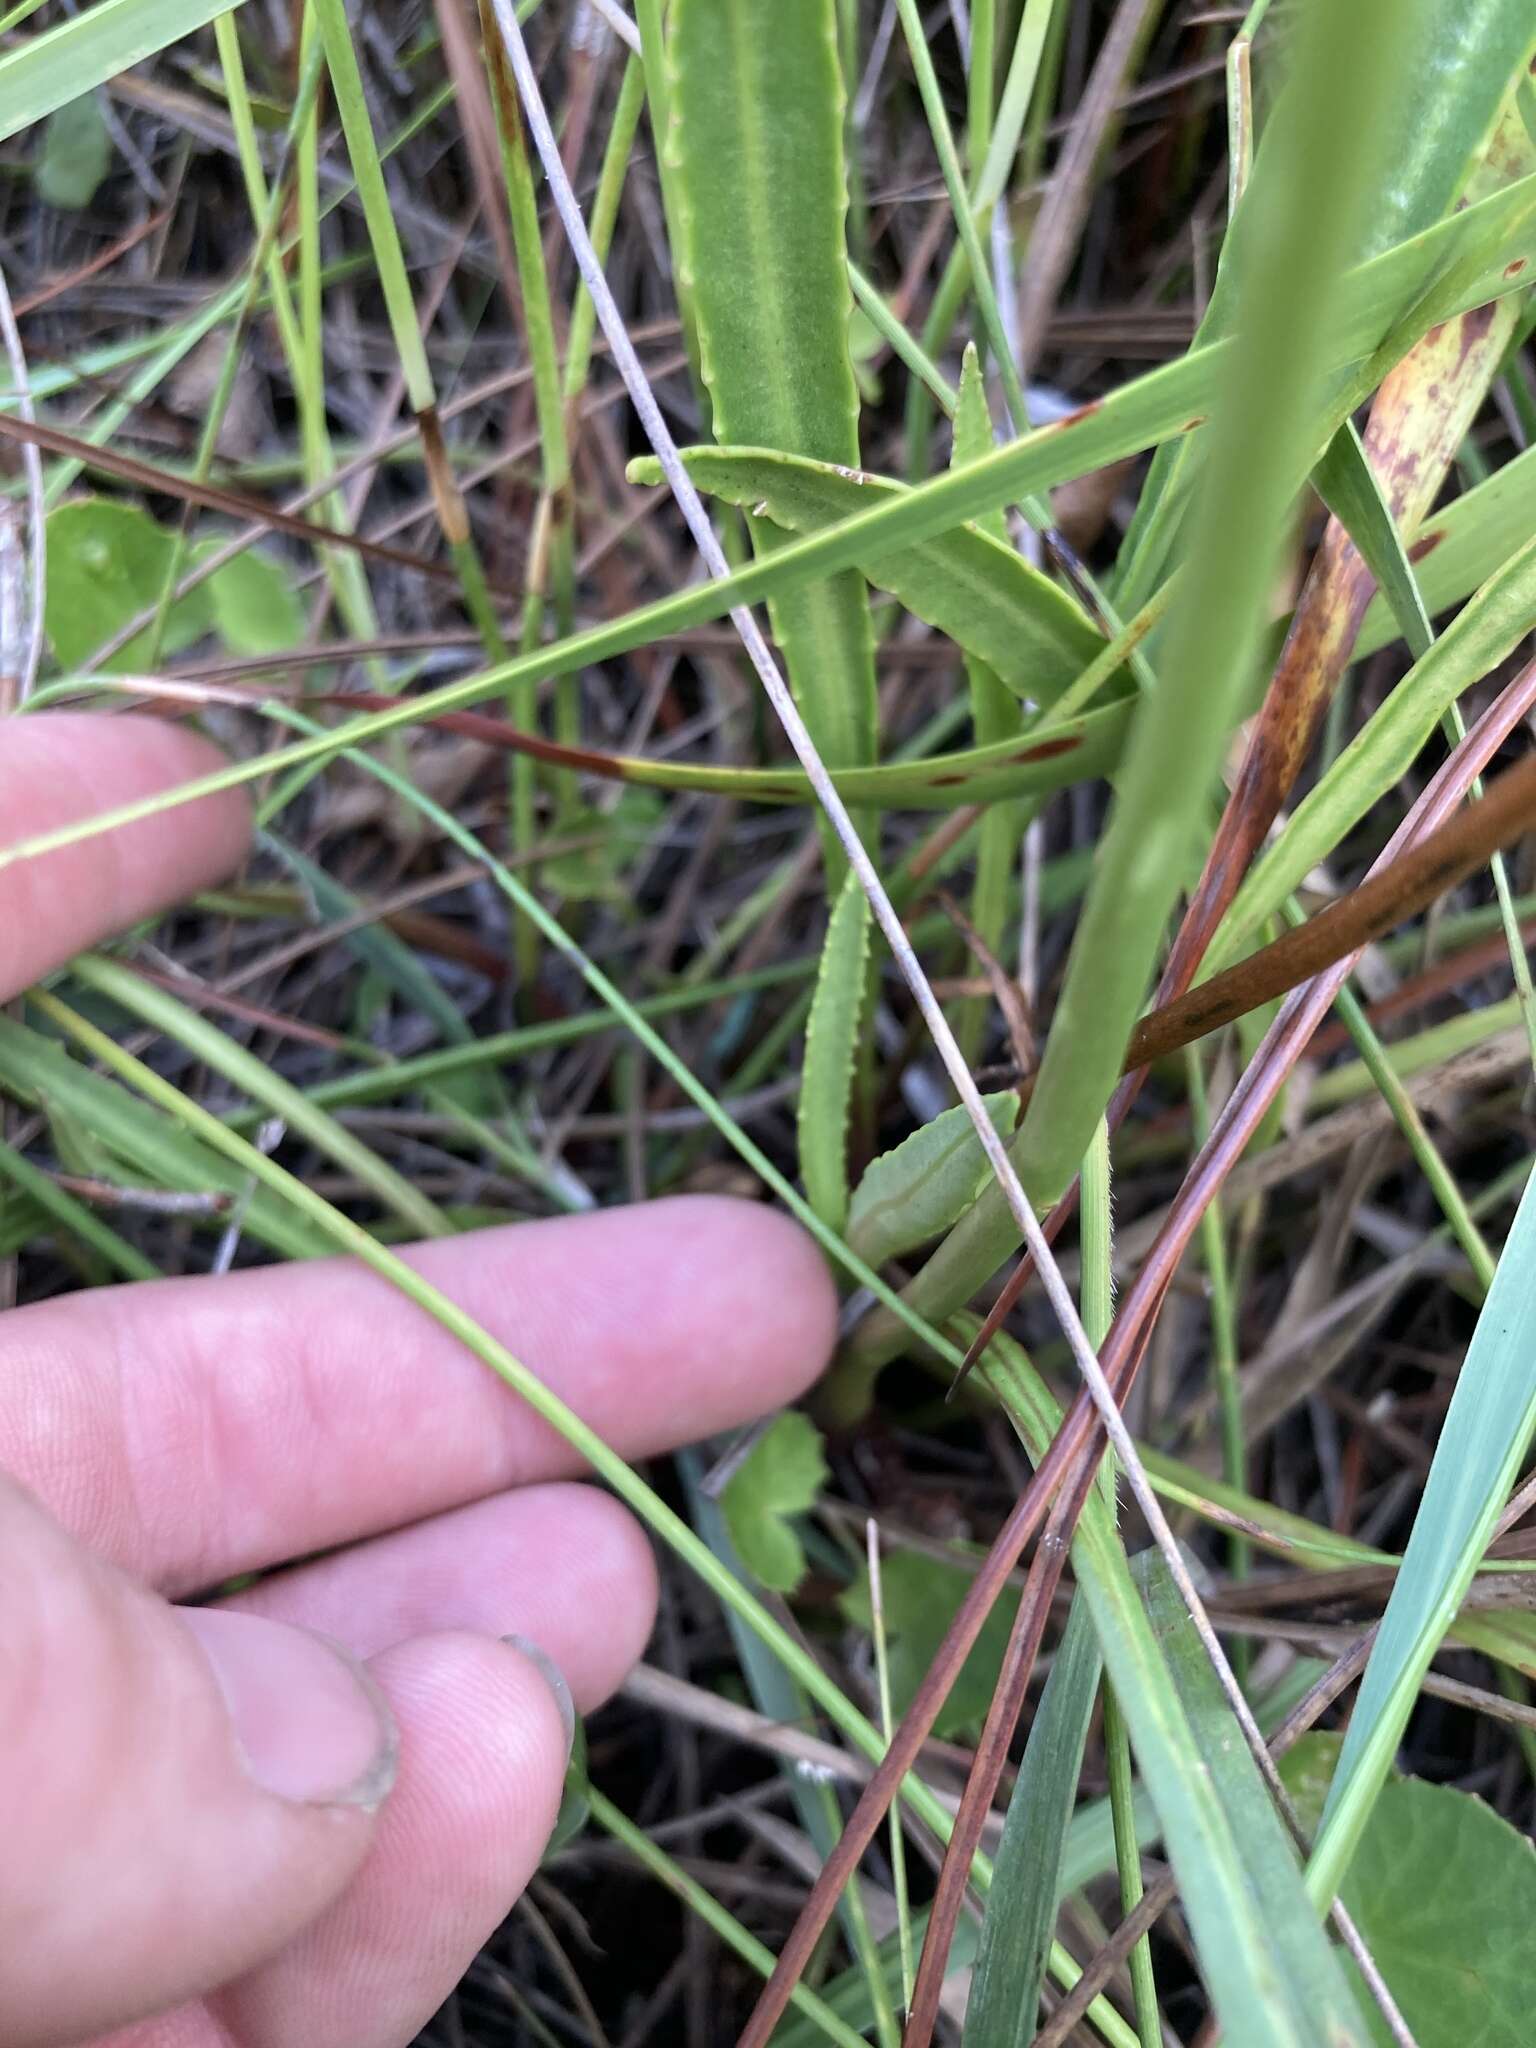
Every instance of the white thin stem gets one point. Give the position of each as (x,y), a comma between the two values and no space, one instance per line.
(35,586)
(621,24)
(758,652)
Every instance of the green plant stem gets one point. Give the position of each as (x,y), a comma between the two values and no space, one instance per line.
(1122,1806)
(1224,1358)
(708,1908)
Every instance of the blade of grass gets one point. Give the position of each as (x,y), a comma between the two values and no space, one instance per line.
(1264,442)
(43,73)
(1022,1903)
(155,1007)
(1483,1444)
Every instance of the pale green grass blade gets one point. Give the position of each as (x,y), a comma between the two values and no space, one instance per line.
(1262,1950)
(154,1151)
(831,1054)
(1351,489)
(968,582)
(43,73)
(156,1007)
(1264,440)
(1483,1444)
(1022,1902)
(993,715)
(1314,1977)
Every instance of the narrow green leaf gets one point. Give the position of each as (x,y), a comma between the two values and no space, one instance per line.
(831,1043)
(1351,490)
(65,1212)
(993,713)
(755,154)
(1300,1950)
(1483,1444)
(916,1191)
(779,1478)
(967,582)
(42,73)
(1264,440)
(149,1149)
(156,1006)
(1261,1948)
(1022,1901)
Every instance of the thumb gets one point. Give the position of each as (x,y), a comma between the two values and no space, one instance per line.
(181,1790)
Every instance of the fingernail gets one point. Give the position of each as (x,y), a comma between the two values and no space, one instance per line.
(310,1724)
(554,1678)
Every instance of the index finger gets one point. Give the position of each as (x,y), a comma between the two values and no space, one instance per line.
(63,766)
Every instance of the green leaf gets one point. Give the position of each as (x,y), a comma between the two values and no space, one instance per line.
(1351,490)
(77,152)
(1444,1894)
(1260,1945)
(148,1149)
(107,563)
(831,1045)
(993,717)
(255,605)
(915,1192)
(755,152)
(43,73)
(1483,1443)
(919,1596)
(157,1007)
(1022,1902)
(973,435)
(1299,1950)
(1264,440)
(595,873)
(780,1478)
(969,584)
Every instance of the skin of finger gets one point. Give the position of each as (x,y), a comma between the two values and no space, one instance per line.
(482,1763)
(63,766)
(139,1863)
(564,1565)
(193,1429)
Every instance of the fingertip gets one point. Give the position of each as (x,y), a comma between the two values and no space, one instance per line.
(788,1327)
(62,768)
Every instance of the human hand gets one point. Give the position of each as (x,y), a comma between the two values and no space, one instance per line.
(205,1815)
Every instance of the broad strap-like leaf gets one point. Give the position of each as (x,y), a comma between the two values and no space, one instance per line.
(966,582)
